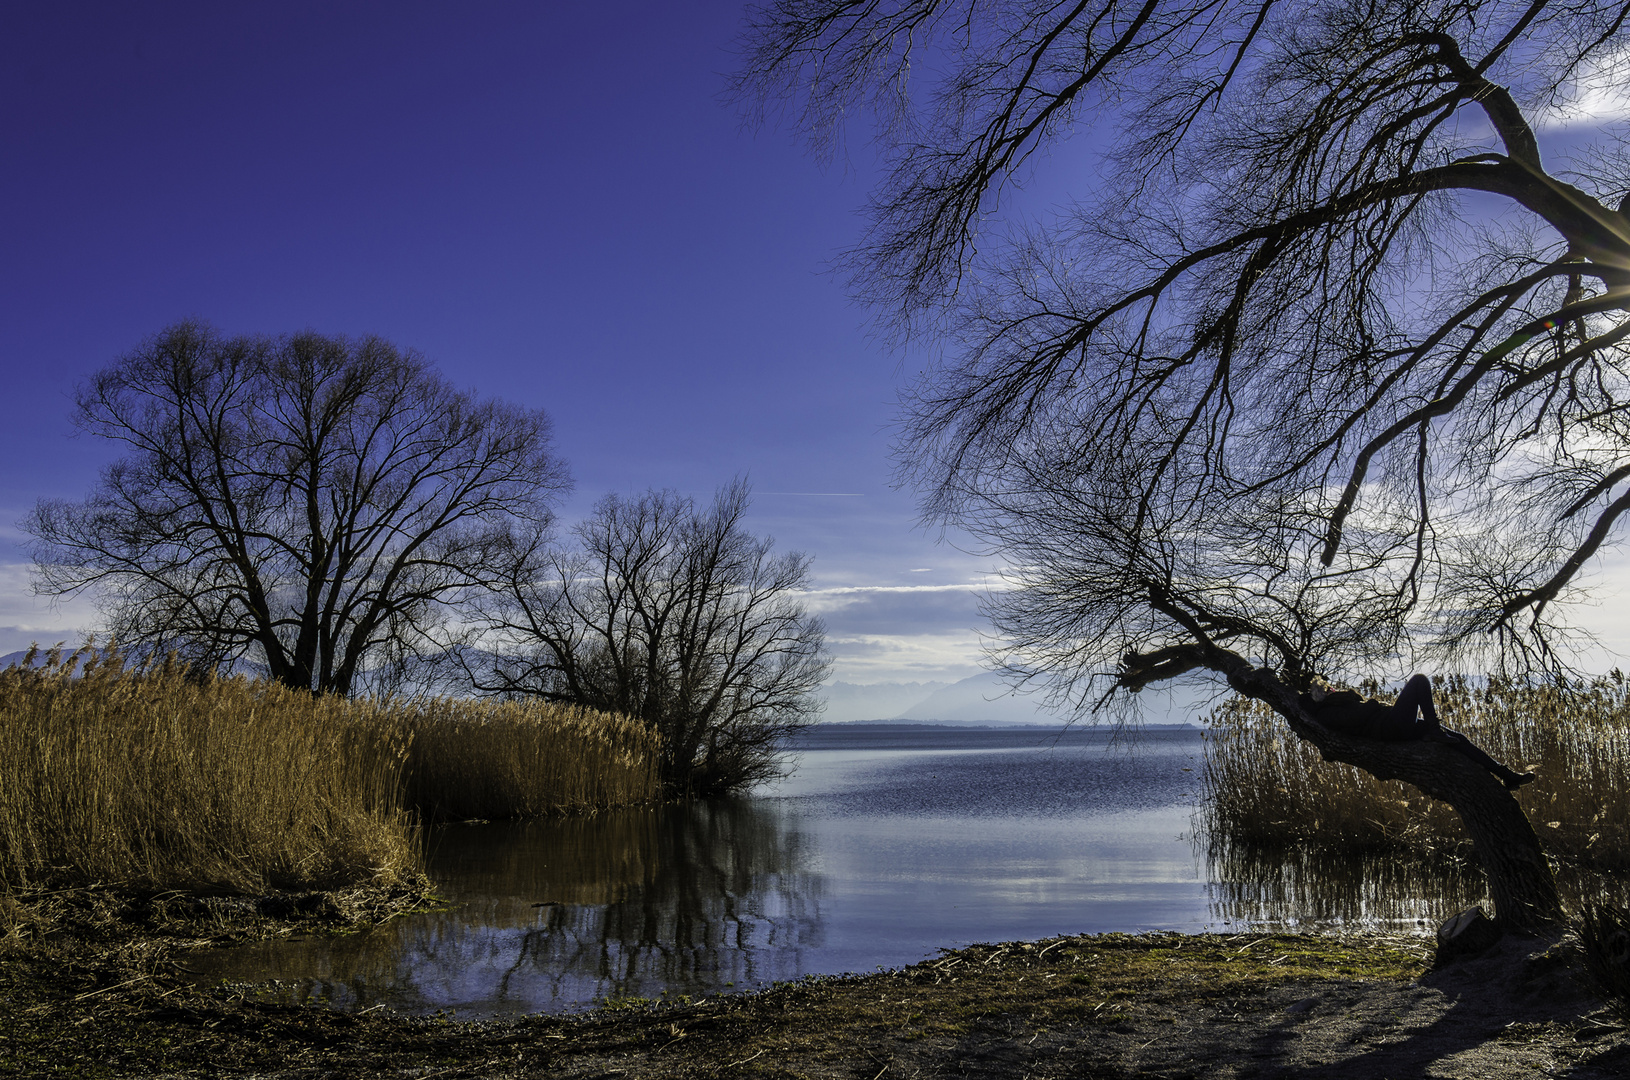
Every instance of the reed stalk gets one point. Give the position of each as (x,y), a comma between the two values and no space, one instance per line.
(484,759)
(1266,787)
(153,780)
(156,779)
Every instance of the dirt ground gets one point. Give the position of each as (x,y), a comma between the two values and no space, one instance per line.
(1162,1005)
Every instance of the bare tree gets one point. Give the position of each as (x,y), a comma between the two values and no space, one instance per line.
(672,614)
(1326,372)
(305,502)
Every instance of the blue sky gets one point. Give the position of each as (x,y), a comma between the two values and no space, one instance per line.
(549,200)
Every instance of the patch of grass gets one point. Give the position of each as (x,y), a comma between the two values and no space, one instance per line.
(614,1004)
(1088,979)
(1269,788)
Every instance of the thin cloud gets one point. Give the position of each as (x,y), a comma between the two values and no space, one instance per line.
(1599,96)
(864,658)
(863,590)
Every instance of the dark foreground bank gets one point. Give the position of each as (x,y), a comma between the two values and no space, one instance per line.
(107,995)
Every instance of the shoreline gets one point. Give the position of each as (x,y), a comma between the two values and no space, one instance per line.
(108,996)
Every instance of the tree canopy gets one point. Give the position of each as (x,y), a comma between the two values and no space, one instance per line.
(1323,369)
(1327,361)
(314,504)
(671,613)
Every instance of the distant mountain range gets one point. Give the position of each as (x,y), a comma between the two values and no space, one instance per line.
(12,659)
(846,702)
(986,699)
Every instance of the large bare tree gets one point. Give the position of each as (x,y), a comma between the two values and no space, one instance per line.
(673,614)
(310,503)
(1325,370)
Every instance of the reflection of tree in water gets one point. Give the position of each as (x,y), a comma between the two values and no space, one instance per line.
(722,900)
(686,898)
(1381,890)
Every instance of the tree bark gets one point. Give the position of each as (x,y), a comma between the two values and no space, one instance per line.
(1520,881)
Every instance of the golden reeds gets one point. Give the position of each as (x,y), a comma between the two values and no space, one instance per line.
(483,759)
(1268,787)
(155,779)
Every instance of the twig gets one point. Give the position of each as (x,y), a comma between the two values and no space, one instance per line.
(745,1060)
(116,986)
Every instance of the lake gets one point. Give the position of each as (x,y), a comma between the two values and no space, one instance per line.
(886,844)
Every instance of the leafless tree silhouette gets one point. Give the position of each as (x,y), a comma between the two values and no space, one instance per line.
(672,614)
(1325,372)
(306,502)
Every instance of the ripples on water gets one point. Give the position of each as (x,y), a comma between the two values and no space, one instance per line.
(1015,774)
(885,845)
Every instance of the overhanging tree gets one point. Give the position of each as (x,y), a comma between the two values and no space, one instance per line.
(311,503)
(672,614)
(1326,372)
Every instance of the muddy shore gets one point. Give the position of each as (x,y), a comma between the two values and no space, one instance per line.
(103,992)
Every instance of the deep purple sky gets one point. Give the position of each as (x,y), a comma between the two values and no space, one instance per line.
(549,200)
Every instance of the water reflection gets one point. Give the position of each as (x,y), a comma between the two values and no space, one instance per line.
(547,915)
(722,902)
(1292,889)
(883,848)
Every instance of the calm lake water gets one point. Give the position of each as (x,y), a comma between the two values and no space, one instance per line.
(884,846)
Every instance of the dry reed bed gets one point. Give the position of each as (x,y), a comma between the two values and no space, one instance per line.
(1270,788)
(152,780)
(481,759)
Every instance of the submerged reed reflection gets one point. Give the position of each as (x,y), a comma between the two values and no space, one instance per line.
(689,898)
(1291,887)
(1307,887)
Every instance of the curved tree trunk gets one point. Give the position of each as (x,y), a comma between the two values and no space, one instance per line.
(1520,881)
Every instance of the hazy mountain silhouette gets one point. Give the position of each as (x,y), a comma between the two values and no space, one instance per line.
(987,698)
